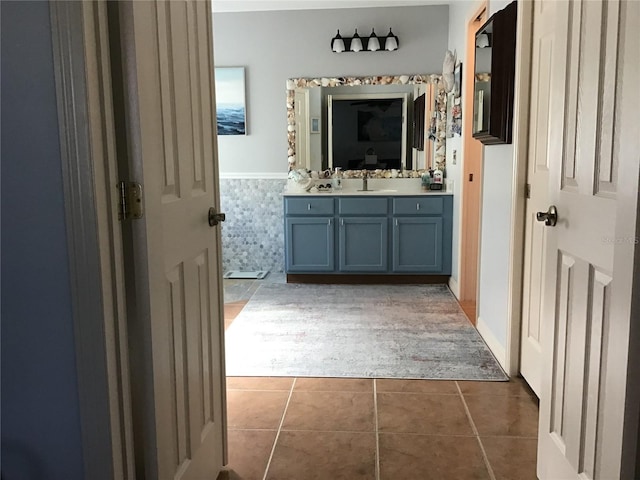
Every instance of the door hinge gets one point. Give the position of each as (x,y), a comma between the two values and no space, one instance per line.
(131,205)
(527,190)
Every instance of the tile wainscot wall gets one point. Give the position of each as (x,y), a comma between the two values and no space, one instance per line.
(252,234)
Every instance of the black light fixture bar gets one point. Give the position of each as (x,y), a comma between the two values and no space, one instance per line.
(340,44)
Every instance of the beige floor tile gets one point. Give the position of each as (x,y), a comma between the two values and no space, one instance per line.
(231,311)
(512,458)
(255,410)
(324,456)
(335,384)
(249,452)
(516,387)
(430,457)
(416,386)
(422,413)
(497,415)
(336,411)
(259,383)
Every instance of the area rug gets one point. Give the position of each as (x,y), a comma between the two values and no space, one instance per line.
(358,331)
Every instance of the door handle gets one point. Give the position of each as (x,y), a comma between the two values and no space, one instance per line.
(215,217)
(550,217)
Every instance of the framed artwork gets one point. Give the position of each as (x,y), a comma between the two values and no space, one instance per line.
(230,101)
(456,117)
(315,125)
(457,81)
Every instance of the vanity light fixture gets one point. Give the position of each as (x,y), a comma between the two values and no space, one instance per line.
(391,41)
(337,43)
(372,43)
(356,42)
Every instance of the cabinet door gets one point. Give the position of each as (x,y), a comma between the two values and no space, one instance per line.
(363,244)
(417,244)
(309,244)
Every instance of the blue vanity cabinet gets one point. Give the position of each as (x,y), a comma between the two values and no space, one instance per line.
(363,244)
(422,234)
(363,239)
(368,234)
(309,234)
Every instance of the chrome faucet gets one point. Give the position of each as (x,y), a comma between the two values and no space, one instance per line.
(364,181)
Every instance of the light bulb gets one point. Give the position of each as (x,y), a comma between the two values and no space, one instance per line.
(374,43)
(337,43)
(356,42)
(391,42)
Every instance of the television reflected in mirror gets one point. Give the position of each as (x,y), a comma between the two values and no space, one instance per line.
(367,131)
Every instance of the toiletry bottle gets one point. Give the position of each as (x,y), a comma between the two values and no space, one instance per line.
(437,176)
(337,179)
(425,181)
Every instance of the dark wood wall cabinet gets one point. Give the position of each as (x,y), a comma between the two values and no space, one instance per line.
(495,60)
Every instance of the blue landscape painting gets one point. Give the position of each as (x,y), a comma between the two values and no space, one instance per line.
(230,101)
(230,119)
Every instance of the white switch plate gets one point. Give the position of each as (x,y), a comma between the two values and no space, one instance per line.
(455,157)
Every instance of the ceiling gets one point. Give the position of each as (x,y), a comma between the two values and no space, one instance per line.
(264,5)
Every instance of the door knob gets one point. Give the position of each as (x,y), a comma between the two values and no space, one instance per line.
(550,217)
(215,217)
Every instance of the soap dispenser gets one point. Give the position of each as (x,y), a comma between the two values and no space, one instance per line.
(337,179)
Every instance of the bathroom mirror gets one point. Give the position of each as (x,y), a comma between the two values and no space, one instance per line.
(420,127)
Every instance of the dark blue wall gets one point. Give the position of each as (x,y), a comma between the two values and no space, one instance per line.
(40,416)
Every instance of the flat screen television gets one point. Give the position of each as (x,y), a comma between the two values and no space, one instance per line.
(367,133)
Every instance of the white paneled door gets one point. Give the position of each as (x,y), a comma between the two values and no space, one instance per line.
(167,50)
(593,147)
(544,36)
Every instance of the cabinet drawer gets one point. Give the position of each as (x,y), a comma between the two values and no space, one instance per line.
(363,206)
(308,206)
(418,206)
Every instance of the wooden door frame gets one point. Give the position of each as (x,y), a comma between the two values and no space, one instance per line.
(469,144)
(80,53)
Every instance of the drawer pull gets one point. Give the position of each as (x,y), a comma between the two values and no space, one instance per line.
(396,222)
(342,222)
(308,206)
(417,206)
(329,222)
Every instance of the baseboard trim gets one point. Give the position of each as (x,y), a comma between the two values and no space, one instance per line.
(454,287)
(365,279)
(254,175)
(492,342)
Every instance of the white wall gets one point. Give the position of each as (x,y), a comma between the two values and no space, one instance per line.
(274,46)
(495,235)
(497,188)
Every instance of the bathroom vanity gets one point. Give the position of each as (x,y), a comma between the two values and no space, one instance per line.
(383,231)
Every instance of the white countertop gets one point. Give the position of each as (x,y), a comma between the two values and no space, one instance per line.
(387,187)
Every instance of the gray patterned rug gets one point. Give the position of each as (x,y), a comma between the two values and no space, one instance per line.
(360,331)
